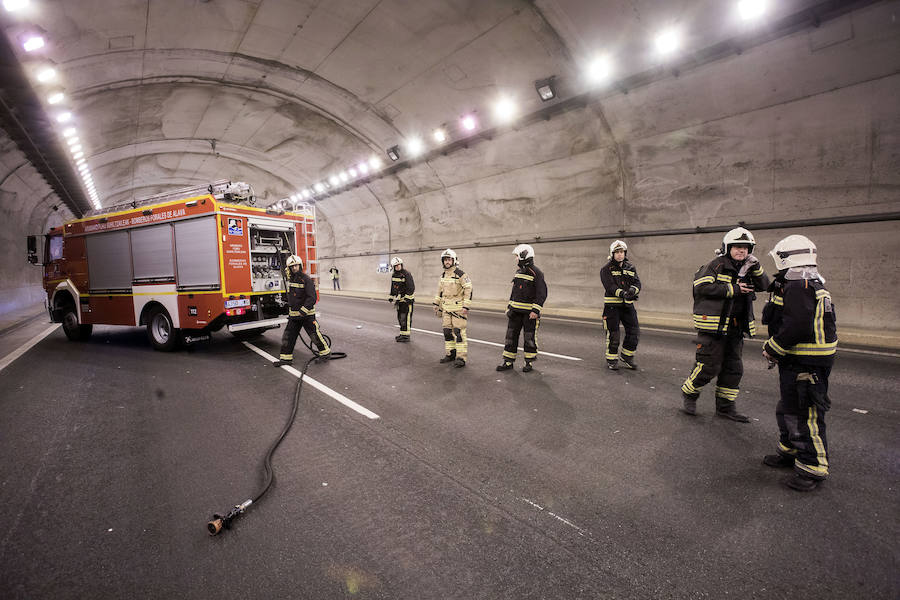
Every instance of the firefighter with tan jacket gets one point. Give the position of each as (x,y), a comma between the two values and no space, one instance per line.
(452,302)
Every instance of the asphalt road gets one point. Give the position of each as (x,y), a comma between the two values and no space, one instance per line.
(568,482)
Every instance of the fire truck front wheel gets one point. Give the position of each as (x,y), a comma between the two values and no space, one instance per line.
(162,333)
(74,330)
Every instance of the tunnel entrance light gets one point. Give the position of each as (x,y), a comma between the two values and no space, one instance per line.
(546,88)
(667,42)
(393,153)
(750,10)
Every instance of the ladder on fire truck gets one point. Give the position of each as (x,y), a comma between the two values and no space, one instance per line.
(234,192)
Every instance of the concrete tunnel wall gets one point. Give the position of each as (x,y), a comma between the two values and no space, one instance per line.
(803,127)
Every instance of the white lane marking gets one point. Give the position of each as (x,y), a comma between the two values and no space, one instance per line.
(319,386)
(9,358)
(540,352)
(861,411)
(555,516)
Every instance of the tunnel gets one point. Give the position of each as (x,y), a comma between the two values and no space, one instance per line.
(163,163)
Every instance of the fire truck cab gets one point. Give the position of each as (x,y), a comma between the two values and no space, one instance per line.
(182,264)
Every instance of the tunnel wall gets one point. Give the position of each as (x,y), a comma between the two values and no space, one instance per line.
(803,127)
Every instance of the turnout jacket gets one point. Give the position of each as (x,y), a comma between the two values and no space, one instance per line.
(801,320)
(403,288)
(301,294)
(618,279)
(529,290)
(718,302)
(454,290)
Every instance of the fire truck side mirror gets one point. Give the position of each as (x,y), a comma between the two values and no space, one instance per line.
(32,249)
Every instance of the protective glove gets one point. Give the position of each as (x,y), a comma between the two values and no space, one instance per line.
(631,293)
(750,264)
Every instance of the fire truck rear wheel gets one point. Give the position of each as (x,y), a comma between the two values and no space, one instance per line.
(74,330)
(162,333)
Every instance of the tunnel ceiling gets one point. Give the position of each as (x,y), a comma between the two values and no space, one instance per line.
(285,93)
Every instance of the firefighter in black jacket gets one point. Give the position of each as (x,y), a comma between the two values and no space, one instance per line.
(621,286)
(724,291)
(301,295)
(803,340)
(403,294)
(529,292)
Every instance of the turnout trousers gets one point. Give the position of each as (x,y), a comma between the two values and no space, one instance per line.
(518,321)
(404,316)
(801,418)
(292,330)
(717,356)
(627,316)
(455,339)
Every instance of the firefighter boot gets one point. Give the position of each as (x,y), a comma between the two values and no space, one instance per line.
(401,338)
(629,363)
(727,410)
(690,404)
(506,366)
(459,363)
(612,365)
(282,363)
(778,461)
(529,367)
(801,484)
(450,357)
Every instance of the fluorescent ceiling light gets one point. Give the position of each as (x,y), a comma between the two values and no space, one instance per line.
(415,146)
(440,135)
(55,98)
(46,74)
(33,43)
(504,109)
(752,9)
(667,41)
(14,5)
(64,117)
(468,122)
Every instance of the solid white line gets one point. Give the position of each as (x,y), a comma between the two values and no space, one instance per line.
(319,386)
(540,352)
(9,358)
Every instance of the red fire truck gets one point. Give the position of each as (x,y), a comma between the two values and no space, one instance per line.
(183,264)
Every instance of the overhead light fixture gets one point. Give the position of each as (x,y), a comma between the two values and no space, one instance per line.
(440,135)
(319,188)
(667,42)
(352,172)
(32,43)
(46,74)
(375,163)
(75,148)
(415,146)
(546,88)
(343,176)
(305,193)
(55,98)
(504,109)
(599,70)
(64,117)
(69,132)
(468,122)
(334,181)
(363,167)
(750,10)
(77,155)
(14,5)
(393,153)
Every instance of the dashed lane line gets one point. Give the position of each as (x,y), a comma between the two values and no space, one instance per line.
(318,385)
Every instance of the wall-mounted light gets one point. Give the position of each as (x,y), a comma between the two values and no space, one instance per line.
(394,153)
(546,88)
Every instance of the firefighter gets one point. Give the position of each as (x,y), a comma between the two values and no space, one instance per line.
(452,302)
(302,313)
(529,292)
(724,291)
(803,340)
(403,293)
(621,286)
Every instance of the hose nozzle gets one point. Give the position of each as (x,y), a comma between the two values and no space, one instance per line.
(220,522)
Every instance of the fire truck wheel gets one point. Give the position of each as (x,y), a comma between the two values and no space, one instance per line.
(162,333)
(72,328)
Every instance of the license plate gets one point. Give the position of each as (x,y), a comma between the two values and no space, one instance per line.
(236,303)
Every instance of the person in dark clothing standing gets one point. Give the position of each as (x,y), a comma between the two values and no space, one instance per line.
(335,278)
(621,286)
(803,341)
(724,291)
(301,295)
(403,295)
(529,292)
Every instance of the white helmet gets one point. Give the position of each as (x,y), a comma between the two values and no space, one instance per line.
(293,259)
(523,251)
(617,245)
(794,251)
(448,253)
(396,261)
(738,235)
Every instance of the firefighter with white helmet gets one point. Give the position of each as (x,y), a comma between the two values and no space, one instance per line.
(301,295)
(621,286)
(803,341)
(529,292)
(724,290)
(452,302)
(403,294)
